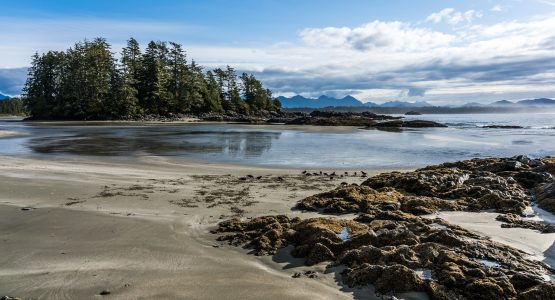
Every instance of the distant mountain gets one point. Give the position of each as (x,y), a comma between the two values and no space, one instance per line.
(537,102)
(405,104)
(531,102)
(348,101)
(502,103)
(471,104)
(322,101)
(3,97)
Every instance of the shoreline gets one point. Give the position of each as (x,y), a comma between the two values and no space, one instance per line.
(64,204)
(159,212)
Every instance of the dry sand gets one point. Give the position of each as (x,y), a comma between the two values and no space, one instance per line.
(71,229)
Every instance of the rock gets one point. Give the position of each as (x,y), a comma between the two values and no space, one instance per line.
(503,126)
(545,196)
(332,118)
(412,113)
(319,253)
(541,291)
(471,190)
(105,293)
(399,279)
(391,246)
(310,274)
(409,124)
(514,221)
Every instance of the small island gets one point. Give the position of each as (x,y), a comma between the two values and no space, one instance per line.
(86,82)
(413,113)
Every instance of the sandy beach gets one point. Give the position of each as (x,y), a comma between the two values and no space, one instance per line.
(71,229)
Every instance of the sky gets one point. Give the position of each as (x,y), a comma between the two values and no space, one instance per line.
(442,52)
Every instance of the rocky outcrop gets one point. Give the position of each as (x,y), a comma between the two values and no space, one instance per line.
(503,126)
(545,196)
(260,117)
(515,221)
(412,113)
(408,124)
(394,254)
(389,245)
(477,190)
(331,118)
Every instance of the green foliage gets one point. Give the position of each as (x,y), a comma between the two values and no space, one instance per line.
(87,82)
(12,107)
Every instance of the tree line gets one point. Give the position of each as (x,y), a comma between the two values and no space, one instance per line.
(88,82)
(12,106)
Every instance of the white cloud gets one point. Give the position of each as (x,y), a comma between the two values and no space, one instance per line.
(453,17)
(377,61)
(441,15)
(497,8)
(548,2)
(392,36)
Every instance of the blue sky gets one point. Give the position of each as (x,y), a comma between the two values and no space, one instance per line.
(438,51)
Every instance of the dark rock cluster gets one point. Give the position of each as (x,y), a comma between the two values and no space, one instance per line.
(408,124)
(389,244)
(332,118)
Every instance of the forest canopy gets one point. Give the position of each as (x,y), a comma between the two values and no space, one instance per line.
(87,82)
(12,106)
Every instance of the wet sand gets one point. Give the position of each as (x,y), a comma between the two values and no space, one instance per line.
(7,133)
(71,229)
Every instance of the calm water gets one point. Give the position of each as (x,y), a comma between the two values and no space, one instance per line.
(283,146)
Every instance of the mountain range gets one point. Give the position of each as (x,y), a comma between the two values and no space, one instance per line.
(347,101)
(350,101)
(2,97)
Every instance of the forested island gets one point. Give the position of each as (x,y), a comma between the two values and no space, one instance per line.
(12,107)
(87,82)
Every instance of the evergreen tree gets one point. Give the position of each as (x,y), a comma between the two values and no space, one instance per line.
(213,97)
(177,67)
(154,95)
(86,82)
(127,82)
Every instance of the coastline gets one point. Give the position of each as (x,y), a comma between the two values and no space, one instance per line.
(142,229)
(143,232)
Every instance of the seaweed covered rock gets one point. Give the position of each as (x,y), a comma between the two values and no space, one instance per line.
(414,254)
(515,221)
(390,245)
(475,190)
(351,199)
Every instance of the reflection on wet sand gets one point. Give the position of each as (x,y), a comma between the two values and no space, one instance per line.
(110,143)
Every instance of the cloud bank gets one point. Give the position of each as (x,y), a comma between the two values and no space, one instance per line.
(449,57)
